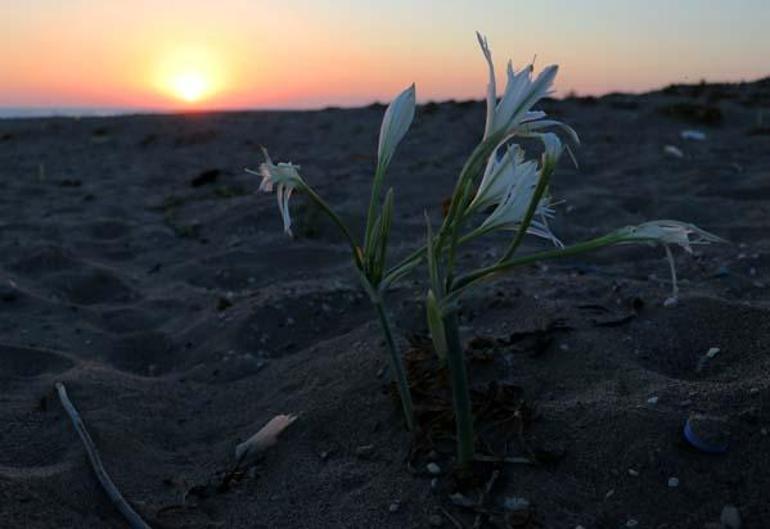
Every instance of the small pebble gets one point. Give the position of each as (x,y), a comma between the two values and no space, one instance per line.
(694,135)
(435,520)
(673,152)
(632,523)
(610,494)
(712,352)
(673,482)
(671,301)
(365,451)
(730,517)
(393,507)
(652,400)
(632,472)
(433,468)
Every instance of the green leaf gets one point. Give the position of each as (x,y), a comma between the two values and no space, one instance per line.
(373,294)
(436,326)
(384,225)
(433,273)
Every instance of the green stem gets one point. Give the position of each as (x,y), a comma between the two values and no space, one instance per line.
(397,365)
(455,357)
(542,185)
(455,236)
(474,165)
(371,214)
(499,268)
(341,225)
(407,261)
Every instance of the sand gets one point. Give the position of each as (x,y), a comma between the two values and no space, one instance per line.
(139,267)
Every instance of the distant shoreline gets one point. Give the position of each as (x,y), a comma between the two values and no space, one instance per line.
(93,112)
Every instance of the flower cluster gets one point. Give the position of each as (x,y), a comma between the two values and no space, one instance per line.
(500,184)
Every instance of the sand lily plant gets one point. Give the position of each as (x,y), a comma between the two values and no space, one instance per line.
(369,259)
(499,189)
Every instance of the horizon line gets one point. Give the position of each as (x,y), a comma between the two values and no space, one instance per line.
(99,111)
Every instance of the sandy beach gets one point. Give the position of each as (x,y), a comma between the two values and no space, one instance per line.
(140,267)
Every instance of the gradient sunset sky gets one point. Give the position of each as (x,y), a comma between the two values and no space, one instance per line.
(312,53)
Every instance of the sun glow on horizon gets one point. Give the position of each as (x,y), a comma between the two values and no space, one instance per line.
(190,86)
(193,54)
(190,74)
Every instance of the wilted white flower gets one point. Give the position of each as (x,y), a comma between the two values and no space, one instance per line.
(285,177)
(520,95)
(395,123)
(669,232)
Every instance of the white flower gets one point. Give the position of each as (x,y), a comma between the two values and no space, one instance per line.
(553,150)
(498,178)
(510,183)
(669,232)
(285,177)
(511,210)
(520,95)
(395,123)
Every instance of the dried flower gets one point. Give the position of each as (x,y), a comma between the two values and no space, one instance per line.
(285,177)
(669,232)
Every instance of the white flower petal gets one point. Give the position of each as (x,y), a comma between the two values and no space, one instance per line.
(498,177)
(395,124)
(491,85)
(520,95)
(511,211)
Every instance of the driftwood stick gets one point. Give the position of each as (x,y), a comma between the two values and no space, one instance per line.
(134,520)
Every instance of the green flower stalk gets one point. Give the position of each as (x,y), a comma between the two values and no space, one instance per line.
(369,260)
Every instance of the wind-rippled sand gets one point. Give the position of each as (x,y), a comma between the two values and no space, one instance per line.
(139,267)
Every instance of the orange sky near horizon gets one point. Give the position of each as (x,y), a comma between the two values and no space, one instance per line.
(312,53)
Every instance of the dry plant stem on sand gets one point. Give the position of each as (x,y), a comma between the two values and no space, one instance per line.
(117,499)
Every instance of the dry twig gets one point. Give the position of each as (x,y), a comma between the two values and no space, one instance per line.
(134,520)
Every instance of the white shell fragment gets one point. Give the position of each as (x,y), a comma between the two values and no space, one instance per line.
(266,437)
(673,152)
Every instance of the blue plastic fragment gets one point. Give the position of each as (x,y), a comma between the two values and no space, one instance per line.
(702,444)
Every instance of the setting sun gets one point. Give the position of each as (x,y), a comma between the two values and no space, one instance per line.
(190,86)
(190,73)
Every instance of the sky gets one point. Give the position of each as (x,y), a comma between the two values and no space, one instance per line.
(228,54)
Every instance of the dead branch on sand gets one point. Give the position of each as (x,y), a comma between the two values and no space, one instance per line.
(134,520)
